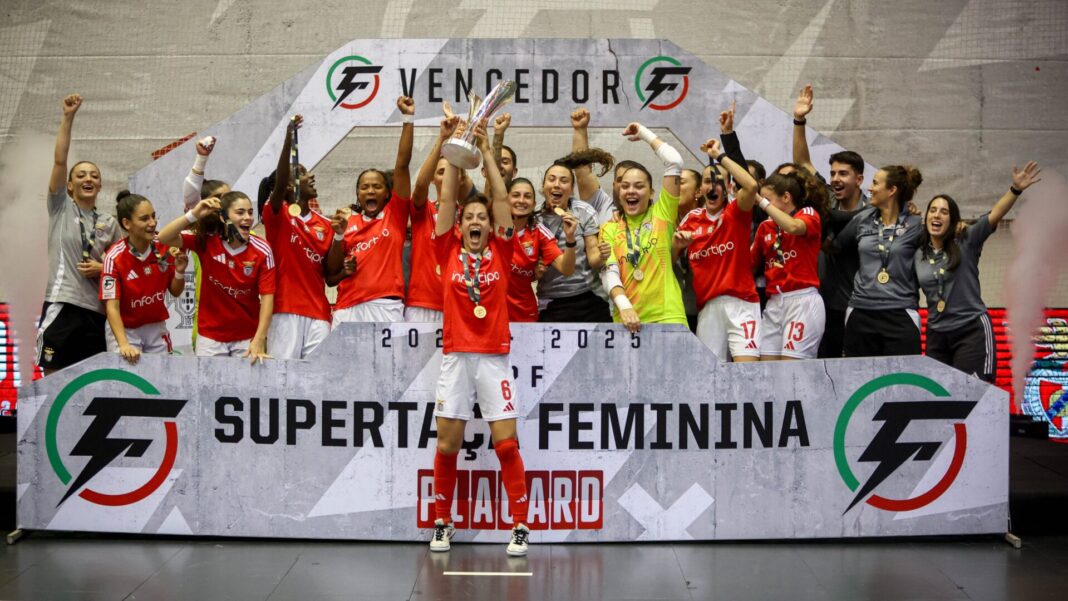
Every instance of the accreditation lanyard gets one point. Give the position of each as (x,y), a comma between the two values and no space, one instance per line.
(471,278)
(87,239)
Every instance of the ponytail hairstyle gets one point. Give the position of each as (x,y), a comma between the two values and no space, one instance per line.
(584,158)
(533,219)
(906,179)
(949,245)
(125,205)
(804,188)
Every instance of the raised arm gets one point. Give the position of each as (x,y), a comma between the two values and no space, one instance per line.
(731,145)
(193,182)
(496,190)
(425,177)
(402,177)
(588,183)
(1021,180)
(500,125)
(802,107)
(58,180)
(281,173)
(746,196)
(171,234)
(665,152)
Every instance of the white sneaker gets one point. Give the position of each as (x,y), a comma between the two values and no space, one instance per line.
(443,533)
(518,545)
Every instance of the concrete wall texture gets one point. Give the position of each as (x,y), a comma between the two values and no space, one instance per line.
(963,89)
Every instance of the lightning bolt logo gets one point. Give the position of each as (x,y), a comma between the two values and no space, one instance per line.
(663,79)
(352,69)
(96,444)
(889,453)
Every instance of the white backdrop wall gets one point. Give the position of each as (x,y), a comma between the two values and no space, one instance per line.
(961,88)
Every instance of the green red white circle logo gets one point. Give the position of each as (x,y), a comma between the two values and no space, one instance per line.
(352,82)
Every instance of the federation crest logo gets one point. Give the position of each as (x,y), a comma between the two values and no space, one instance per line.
(100,448)
(662,82)
(890,449)
(348,80)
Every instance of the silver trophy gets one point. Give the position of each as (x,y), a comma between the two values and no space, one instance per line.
(461,151)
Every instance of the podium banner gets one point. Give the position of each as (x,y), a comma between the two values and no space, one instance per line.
(625,437)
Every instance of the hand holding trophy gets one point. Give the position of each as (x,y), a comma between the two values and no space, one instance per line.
(461,151)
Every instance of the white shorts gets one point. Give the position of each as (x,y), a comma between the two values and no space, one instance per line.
(387,310)
(793,324)
(730,327)
(149,338)
(295,336)
(422,315)
(470,377)
(206,347)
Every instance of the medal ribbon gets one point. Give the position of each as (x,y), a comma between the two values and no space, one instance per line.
(938,257)
(87,241)
(884,249)
(471,279)
(634,251)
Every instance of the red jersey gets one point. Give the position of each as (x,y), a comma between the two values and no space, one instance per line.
(231,282)
(531,245)
(378,245)
(139,283)
(719,255)
(300,245)
(463,331)
(424,283)
(795,265)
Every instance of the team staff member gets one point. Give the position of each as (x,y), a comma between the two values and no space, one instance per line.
(237,297)
(373,238)
(72,320)
(300,239)
(137,271)
(787,244)
(638,273)
(476,342)
(534,244)
(882,318)
(716,241)
(947,266)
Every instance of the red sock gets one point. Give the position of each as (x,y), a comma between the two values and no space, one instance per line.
(444,484)
(515,478)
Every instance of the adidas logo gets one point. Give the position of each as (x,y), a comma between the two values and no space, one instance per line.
(752,345)
(790,345)
(508,407)
(522,499)
(439,497)
(220,258)
(132,276)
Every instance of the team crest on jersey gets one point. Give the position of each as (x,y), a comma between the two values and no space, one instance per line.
(247,267)
(528,248)
(320,233)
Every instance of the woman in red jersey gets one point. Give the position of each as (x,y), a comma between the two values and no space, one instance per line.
(534,244)
(475,263)
(787,244)
(137,271)
(300,239)
(373,236)
(237,276)
(716,242)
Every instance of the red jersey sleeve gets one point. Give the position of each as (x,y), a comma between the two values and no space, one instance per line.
(265,279)
(190,241)
(109,276)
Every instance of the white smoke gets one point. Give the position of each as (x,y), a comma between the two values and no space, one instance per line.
(1039,233)
(25,166)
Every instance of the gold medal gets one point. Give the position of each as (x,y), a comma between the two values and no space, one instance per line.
(638,274)
(941,306)
(294,210)
(883,277)
(480,312)
(437,269)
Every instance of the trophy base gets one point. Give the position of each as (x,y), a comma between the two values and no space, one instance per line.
(462,154)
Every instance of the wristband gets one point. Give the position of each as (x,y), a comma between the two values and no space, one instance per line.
(719,159)
(407,118)
(645,134)
(571,244)
(199,163)
(190,217)
(764,204)
(622,302)
(800,121)
(339,237)
(1016,191)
